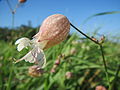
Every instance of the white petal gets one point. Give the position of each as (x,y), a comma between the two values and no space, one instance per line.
(20,47)
(41,58)
(22,43)
(36,55)
(21,40)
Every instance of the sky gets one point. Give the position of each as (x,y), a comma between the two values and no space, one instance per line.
(75,10)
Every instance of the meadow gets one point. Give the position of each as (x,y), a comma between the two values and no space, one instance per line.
(81,66)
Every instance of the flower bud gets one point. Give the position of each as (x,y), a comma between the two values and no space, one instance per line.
(22,1)
(73,51)
(68,75)
(102,39)
(54,29)
(94,39)
(52,70)
(57,62)
(35,71)
(100,88)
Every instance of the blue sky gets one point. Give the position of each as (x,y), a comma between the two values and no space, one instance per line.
(76,11)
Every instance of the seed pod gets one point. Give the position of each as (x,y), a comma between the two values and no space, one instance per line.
(22,1)
(55,29)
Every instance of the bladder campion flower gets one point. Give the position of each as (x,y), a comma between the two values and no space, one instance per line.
(22,1)
(53,30)
(100,88)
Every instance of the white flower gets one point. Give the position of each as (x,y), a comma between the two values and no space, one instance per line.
(53,30)
(36,55)
(22,43)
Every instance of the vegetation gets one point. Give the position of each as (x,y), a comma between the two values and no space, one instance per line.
(75,64)
(81,66)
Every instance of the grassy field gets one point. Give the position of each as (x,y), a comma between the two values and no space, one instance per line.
(80,57)
(81,64)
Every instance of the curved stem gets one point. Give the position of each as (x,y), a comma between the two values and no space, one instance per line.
(83,34)
(101,48)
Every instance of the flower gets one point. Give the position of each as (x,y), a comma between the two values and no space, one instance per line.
(100,87)
(22,1)
(53,30)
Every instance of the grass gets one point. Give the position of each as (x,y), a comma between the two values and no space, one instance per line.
(81,57)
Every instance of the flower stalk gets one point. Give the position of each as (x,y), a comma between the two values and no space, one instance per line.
(101,49)
(104,62)
(13,10)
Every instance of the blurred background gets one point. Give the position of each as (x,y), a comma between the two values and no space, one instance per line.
(81,66)
(34,12)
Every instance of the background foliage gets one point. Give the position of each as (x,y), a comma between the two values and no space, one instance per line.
(81,57)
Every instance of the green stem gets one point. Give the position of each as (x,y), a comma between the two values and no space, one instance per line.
(10,78)
(9,5)
(83,33)
(113,84)
(104,62)
(101,48)
(13,18)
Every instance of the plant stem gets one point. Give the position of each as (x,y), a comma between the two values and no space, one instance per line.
(104,62)
(12,11)
(83,34)
(9,5)
(101,48)
(112,86)
(13,18)
(10,78)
